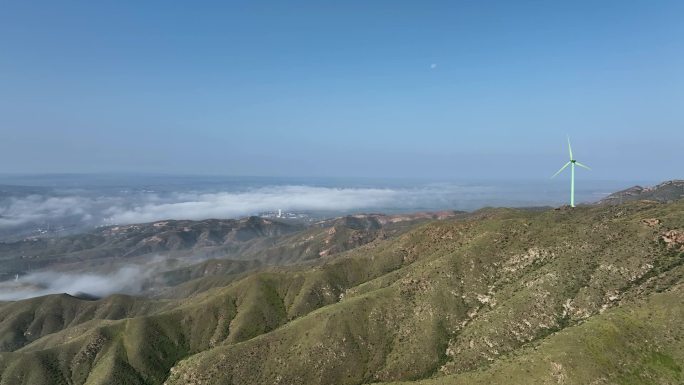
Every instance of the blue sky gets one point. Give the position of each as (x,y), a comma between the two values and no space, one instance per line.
(439,89)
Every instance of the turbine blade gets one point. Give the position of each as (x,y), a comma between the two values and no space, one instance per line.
(582,165)
(562,168)
(569,148)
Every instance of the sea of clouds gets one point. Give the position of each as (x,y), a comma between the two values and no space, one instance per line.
(106,209)
(80,209)
(237,204)
(97,208)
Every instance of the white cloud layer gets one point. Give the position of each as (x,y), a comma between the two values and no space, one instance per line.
(79,210)
(128,280)
(229,205)
(16,211)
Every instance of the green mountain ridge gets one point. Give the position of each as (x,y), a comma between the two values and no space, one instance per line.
(576,296)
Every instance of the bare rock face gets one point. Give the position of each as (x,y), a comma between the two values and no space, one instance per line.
(674,239)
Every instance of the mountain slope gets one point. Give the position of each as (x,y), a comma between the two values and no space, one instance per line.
(664,192)
(221,237)
(474,299)
(639,342)
(482,290)
(169,253)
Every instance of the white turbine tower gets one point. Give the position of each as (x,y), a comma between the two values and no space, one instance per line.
(572,164)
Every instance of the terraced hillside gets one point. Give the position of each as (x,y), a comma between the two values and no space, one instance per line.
(575,296)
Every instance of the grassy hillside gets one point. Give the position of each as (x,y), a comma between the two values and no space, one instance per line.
(576,296)
(639,342)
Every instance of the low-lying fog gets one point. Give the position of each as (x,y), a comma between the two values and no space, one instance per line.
(126,280)
(131,278)
(57,206)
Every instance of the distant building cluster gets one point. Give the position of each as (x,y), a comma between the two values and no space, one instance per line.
(280,214)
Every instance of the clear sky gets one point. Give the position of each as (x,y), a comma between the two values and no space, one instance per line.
(454,89)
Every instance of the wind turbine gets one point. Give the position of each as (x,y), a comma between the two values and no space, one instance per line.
(572,164)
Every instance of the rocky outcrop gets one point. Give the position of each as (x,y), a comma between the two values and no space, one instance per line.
(674,239)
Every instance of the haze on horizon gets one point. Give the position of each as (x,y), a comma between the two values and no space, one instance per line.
(384,88)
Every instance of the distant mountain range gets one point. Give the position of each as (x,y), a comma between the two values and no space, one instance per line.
(590,295)
(665,192)
(191,247)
